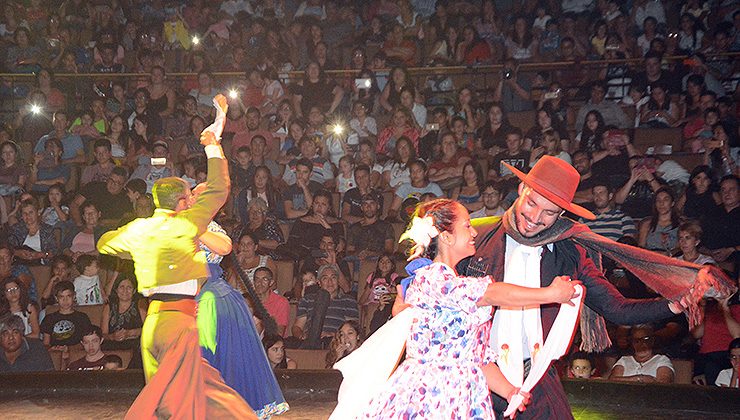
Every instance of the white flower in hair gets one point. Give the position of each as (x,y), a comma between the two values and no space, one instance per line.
(422,231)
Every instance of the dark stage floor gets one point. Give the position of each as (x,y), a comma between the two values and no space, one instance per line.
(312,396)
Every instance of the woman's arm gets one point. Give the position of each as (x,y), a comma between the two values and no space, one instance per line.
(643,233)
(217,242)
(170,94)
(33,320)
(561,290)
(384,95)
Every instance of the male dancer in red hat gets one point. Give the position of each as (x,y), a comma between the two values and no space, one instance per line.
(532,244)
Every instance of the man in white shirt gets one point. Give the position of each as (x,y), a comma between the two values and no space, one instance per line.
(492,194)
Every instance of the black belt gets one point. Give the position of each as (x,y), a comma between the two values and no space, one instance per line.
(170,297)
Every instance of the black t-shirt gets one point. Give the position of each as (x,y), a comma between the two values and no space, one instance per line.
(315,94)
(614,170)
(294,194)
(65,329)
(666,79)
(110,206)
(519,161)
(353,198)
(489,139)
(722,229)
(370,237)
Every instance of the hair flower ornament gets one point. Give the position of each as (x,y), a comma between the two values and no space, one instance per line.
(422,231)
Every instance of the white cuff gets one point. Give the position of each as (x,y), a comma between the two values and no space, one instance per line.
(214,151)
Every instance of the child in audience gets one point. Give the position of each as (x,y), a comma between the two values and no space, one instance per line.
(113,362)
(94,357)
(56,211)
(87,284)
(65,327)
(581,365)
(377,299)
(695,144)
(242,170)
(60,272)
(362,125)
(275,349)
(346,177)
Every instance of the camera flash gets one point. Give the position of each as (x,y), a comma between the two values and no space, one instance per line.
(35,109)
(338,129)
(196,40)
(233,93)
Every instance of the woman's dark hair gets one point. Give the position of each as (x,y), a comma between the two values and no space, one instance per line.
(695,26)
(322,74)
(270,340)
(331,356)
(734,344)
(15,147)
(378,275)
(527,40)
(675,217)
(114,299)
(273,196)
(412,151)
(479,178)
(23,293)
(442,212)
(61,188)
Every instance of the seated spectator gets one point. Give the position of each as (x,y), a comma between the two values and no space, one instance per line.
(636,195)
(87,284)
(521,44)
(345,179)
(162,97)
(581,365)
(275,350)
(401,125)
(546,121)
(13,175)
(65,327)
(83,127)
(21,354)
(346,340)
(276,305)
(659,111)
(103,166)
(71,148)
(263,226)
(654,74)
(112,362)
(22,56)
(94,358)
(249,260)
(48,169)
(469,193)
(695,144)
(118,103)
(492,196)
(718,155)
(419,185)
(123,317)
(15,300)
(352,199)
(689,238)
(260,151)
(370,236)
(321,170)
(659,232)
(316,89)
(33,241)
(191,147)
(492,136)
(362,124)
(150,172)
(447,169)
(298,197)
(721,230)
(377,299)
(321,314)
(396,169)
(513,89)
(463,134)
(366,156)
(253,129)
(719,327)
(610,222)
(204,93)
(307,231)
(644,365)
(514,155)
(472,50)
(419,111)
(108,197)
(549,144)
(260,186)
(241,169)
(56,213)
(81,240)
(729,377)
(397,48)
(61,270)
(612,113)
(700,198)
(591,136)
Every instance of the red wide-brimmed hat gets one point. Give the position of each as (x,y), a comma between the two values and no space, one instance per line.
(556,180)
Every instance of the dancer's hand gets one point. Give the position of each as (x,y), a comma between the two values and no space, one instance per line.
(563,289)
(526,398)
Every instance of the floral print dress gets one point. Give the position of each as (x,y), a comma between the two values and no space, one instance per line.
(441,377)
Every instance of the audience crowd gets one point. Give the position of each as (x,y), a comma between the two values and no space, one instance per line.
(327,166)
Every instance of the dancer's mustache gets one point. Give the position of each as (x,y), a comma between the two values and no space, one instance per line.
(531,221)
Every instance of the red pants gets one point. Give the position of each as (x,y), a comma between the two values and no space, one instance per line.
(180,383)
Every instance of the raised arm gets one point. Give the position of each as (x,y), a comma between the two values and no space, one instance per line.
(561,290)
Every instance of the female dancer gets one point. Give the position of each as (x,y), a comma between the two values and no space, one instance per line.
(448,371)
(228,337)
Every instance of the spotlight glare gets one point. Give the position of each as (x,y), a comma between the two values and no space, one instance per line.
(35,109)
(196,40)
(233,93)
(338,129)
